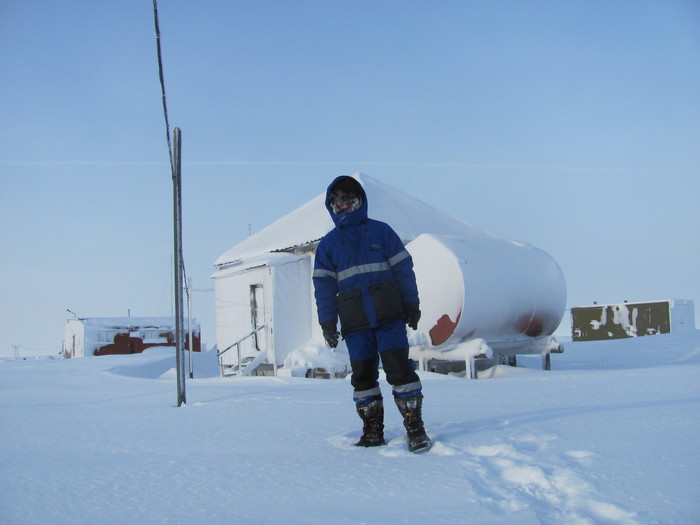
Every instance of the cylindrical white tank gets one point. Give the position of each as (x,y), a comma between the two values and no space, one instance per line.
(489,288)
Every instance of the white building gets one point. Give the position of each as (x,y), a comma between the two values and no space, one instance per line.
(122,335)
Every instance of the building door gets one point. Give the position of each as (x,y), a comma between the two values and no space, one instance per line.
(257,316)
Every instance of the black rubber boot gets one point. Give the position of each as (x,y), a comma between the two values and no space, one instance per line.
(411,408)
(372,415)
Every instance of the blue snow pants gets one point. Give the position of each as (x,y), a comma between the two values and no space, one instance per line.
(390,343)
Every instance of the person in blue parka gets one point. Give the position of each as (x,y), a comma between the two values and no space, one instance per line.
(363,276)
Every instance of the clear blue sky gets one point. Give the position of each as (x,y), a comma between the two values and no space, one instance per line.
(574,126)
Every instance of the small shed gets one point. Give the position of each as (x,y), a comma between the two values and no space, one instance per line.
(123,335)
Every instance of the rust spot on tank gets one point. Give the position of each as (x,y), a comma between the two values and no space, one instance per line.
(443,329)
(534,327)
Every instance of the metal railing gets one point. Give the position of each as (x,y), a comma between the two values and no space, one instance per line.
(237,344)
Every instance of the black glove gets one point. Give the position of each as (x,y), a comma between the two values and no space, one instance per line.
(330,334)
(412,312)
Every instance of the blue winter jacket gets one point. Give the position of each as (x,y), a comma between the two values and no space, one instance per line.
(362,272)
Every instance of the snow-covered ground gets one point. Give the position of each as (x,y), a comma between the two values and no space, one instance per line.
(610,435)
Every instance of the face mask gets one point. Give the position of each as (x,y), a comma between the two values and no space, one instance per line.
(343,202)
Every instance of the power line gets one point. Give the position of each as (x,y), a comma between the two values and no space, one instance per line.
(162,82)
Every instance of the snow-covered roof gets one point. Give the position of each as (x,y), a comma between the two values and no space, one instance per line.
(133,323)
(408,216)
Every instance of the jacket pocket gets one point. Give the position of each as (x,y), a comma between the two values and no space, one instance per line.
(388,301)
(351,311)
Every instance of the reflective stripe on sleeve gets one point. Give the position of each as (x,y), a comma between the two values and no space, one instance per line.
(396,259)
(325,273)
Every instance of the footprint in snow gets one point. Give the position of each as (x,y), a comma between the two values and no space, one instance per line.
(552,491)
